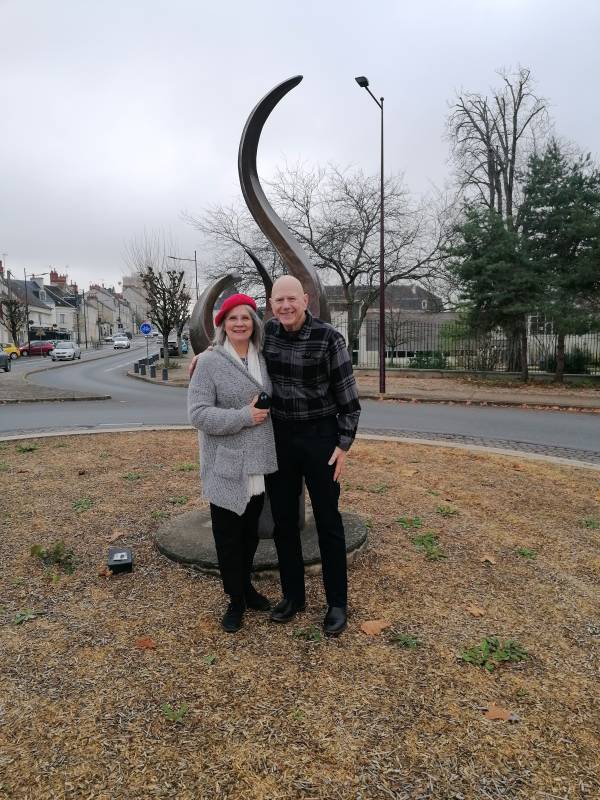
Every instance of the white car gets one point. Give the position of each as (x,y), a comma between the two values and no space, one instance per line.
(66,351)
(121,343)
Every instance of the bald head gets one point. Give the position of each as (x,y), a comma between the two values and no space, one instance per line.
(289,302)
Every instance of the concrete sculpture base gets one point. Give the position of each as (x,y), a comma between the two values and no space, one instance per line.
(188,539)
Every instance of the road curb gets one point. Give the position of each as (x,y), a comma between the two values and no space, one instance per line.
(156,381)
(14,401)
(558,460)
(554,405)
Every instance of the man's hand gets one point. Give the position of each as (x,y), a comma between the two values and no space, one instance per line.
(338,457)
(192,366)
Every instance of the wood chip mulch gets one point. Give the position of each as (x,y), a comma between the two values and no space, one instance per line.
(126,687)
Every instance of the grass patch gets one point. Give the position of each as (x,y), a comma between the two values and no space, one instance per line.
(446,511)
(428,543)
(132,476)
(83,504)
(55,556)
(591,523)
(410,522)
(174,714)
(404,640)
(178,500)
(310,634)
(186,467)
(160,514)
(4,467)
(491,652)
(525,552)
(28,447)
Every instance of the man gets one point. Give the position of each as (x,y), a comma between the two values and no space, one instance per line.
(315,411)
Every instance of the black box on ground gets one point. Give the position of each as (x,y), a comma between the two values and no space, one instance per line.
(120,559)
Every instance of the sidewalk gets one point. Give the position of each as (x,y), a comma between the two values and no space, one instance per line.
(455,389)
(18,388)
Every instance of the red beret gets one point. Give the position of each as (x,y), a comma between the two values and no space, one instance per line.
(232,302)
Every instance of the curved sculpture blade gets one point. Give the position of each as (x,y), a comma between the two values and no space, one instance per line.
(265,277)
(202,328)
(292,255)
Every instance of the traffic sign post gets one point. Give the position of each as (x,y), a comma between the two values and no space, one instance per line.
(146,329)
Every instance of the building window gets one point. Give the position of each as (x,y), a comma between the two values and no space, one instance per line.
(61,319)
(424,305)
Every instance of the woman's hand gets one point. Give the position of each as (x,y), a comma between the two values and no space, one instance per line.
(259,415)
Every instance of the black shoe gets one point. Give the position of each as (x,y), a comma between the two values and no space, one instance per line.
(335,621)
(286,609)
(256,601)
(232,620)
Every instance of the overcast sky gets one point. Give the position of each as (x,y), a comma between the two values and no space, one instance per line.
(116,116)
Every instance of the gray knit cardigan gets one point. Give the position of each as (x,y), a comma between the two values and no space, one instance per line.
(231,447)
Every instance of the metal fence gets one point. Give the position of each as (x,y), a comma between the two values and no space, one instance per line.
(425,345)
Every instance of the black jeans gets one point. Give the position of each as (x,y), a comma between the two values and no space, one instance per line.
(303,450)
(236,540)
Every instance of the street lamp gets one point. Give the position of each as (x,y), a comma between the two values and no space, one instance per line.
(195,260)
(363,82)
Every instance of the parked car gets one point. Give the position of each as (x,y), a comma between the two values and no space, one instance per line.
(172,349)
(108,339)
(38,347)
(66,351)
(4,361)
(121,343)
(11,349)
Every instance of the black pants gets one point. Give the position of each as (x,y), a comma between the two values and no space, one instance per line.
(236,540)
(303,450)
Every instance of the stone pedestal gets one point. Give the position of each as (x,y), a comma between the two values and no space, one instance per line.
(188,539)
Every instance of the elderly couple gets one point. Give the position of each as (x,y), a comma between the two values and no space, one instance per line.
(304,365)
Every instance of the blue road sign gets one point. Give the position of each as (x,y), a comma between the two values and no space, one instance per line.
(146,328)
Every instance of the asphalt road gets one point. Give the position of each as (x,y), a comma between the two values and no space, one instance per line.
(136,403)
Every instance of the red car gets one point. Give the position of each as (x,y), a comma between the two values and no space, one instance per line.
(39,348)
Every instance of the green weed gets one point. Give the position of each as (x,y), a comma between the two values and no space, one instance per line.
(591,523)
(56,556)
(428,543)
(4,467)
(132,476)
(491,652)
(174,714)
(446,511)
(28,447)
(186,467)
(178,500)
(310,634)
(160,514)
(83,504)
(405,640)
(525,552)
(410,522)
(24,616)
(209,660)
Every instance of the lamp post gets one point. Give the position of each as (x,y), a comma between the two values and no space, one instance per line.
(363,82)
(195,260)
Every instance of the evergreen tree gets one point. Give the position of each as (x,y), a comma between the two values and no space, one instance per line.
(560,226)
(500,286)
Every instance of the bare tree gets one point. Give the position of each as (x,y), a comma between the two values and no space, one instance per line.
(491,138)
(335,215)
(165,288)
(13,311)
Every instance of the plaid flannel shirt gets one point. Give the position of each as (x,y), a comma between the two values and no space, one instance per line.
(312,376)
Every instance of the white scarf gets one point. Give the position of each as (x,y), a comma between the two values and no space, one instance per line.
(256,482)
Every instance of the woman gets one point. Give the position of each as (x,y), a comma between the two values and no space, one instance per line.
(237,446)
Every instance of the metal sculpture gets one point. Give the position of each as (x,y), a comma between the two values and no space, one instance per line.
(273,227)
